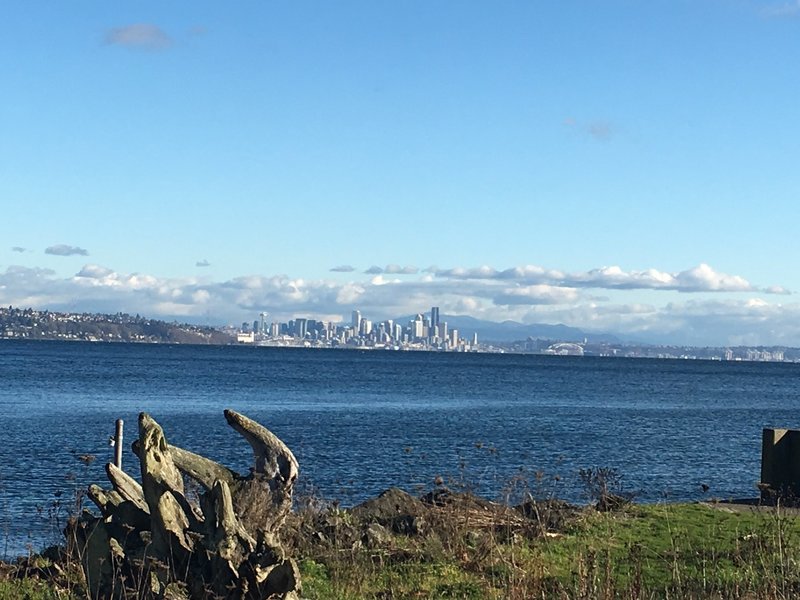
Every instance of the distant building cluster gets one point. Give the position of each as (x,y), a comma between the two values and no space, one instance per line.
(630,350)
(39,324)
(423,332)
(758,355)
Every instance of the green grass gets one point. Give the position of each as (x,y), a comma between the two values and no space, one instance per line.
(410,579)
(668,550)
(641,551)
(682,547)
(27,589)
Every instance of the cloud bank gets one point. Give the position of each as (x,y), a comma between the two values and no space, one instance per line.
(701,278)
(527,294)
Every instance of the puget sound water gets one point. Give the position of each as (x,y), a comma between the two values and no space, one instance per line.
(360,422)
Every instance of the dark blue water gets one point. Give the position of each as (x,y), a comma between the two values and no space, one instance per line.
(360,422)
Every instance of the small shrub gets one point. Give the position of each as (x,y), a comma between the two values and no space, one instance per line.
(603,486)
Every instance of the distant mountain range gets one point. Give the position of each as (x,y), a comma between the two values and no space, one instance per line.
(512,331)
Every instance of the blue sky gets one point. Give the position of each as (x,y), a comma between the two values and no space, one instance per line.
(210,161)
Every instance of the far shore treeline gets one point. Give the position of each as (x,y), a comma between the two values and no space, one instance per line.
(17,323)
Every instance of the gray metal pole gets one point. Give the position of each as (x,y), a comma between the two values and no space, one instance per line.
(118,444)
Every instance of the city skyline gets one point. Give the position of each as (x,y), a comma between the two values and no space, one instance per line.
(617,167)
(421,332)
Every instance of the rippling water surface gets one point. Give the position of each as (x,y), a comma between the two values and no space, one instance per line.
(360,422)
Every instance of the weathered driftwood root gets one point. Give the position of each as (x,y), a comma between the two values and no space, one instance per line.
(151,541)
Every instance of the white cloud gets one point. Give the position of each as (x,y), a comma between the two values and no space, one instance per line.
(16,274)
(94,272)
(537,294)
(139,35)
(349,294)
(782,10)
(484,272)
(392,270)
(698,279)
(398,270)
(777,289)
(65,250)
(704,278)
(599,129)
(201,296)
(756,303)
(529,273)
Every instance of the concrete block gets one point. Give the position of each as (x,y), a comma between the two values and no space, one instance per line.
(780,464)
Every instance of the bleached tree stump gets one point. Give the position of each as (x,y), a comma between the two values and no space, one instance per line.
(151,541)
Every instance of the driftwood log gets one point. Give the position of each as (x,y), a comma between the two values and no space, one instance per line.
(153,540)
